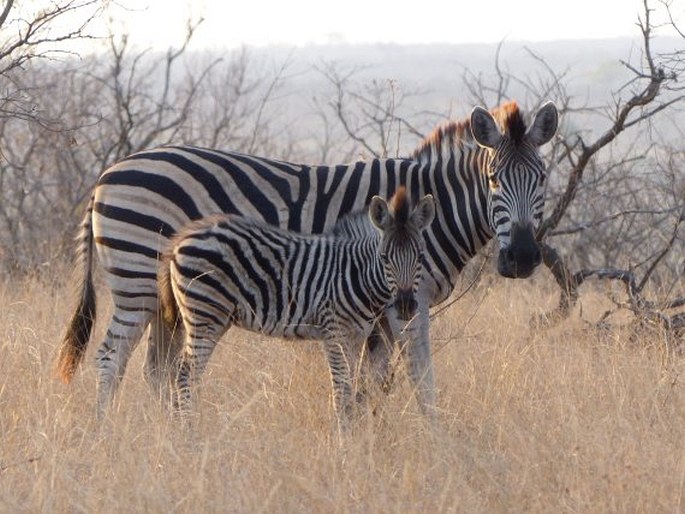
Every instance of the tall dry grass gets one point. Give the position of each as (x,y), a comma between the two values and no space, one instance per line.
(567,420)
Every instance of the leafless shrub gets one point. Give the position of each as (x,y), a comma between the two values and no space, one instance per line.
(368,117)
(238,105)
(110,106)
(30,40)
(638,195)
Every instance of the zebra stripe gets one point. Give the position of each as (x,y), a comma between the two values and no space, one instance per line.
(474,168)
(227,270)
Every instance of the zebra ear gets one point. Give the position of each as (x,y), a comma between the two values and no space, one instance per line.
(424,212)
(484,128)
(544,124)
(379,213)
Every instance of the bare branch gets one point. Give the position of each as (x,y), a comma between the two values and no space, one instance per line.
(620,122)
(667,248)
(6,11)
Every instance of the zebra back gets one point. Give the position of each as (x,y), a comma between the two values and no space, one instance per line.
(227,256)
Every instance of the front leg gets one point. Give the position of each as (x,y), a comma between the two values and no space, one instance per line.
(413,338)
(340,369)
(380,345)
(343,348)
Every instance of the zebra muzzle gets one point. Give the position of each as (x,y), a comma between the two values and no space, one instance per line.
(405,304)
(522,256)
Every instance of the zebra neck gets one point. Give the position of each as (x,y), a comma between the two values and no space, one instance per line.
(460,180)
(362,273)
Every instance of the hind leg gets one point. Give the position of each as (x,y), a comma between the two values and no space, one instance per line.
(199,344)
(163,352)
(125,330)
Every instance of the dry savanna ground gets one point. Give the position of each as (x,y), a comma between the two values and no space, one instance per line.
(572,419)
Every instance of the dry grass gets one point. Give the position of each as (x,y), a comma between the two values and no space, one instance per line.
(569,420)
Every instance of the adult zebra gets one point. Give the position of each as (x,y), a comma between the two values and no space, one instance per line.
(486,175)
(226,270)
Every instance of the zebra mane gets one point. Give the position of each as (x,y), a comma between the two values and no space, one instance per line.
(510,119)
(353,226)
(358,225)
(457,133)
(400,205)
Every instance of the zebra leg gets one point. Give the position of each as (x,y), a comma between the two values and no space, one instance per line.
(198,348)
(379,349)
(125,330)
(340,368)
(163,351)
(414,343)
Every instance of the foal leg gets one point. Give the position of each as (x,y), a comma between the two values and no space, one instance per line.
(199,345)
(413,337)
(379,349)
(340,368)
(162,358)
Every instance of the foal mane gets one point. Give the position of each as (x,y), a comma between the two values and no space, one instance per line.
(400,205)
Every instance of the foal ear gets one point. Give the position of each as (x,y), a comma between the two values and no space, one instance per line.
(484,128)
(379,213)
(424,212)
(544,124)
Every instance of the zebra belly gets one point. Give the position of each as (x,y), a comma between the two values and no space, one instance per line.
(285,331)
(300,313)
(314,329)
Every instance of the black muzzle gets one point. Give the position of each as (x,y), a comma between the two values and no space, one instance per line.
(405,304)
(522,256)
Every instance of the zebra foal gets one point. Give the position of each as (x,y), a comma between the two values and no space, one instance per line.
(227,270)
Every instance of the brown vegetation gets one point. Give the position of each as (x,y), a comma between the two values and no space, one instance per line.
(576,419)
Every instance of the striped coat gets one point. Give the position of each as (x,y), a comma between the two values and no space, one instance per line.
(228,270)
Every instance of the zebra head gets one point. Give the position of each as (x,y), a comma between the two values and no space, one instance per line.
(516,176)
(402,245)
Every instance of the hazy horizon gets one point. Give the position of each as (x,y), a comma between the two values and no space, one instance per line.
(303,22)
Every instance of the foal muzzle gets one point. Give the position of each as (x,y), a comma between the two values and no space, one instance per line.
(405,304)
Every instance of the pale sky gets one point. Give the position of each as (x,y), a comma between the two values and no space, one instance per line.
(231,23)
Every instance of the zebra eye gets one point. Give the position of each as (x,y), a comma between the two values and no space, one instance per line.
(494,183)
(542,179)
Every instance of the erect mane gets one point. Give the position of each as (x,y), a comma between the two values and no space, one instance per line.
(355,225)
(399,203)
(456,133)
(446,136)
(509,117)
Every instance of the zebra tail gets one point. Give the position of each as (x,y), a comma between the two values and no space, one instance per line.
(167,300)
(78,332)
